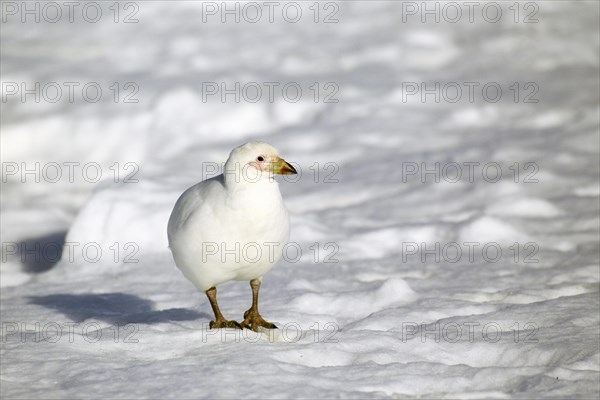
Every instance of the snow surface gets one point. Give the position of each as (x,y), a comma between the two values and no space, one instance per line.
(379,322)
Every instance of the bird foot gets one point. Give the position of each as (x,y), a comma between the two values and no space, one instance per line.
(222,323)
(252,320)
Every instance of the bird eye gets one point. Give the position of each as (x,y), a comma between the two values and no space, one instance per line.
(261,158)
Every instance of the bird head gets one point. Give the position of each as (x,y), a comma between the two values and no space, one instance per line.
(256,161)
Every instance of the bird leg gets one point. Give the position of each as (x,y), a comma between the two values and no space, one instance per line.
(252,318)
(220,321)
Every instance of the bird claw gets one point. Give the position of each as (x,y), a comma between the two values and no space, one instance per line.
(252,320)
(220,324)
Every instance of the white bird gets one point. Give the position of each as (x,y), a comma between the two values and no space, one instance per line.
(233,227)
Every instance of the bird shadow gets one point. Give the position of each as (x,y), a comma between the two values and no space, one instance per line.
(40,254)
(115,308)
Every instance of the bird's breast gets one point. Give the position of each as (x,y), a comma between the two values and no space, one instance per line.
(260,224)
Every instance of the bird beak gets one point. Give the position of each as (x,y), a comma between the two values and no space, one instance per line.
(282,167)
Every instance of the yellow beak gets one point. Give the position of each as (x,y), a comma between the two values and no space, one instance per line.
(282,167)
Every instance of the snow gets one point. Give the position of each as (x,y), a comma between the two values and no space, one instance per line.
(368,307)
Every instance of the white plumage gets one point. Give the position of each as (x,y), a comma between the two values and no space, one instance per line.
(232,226)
